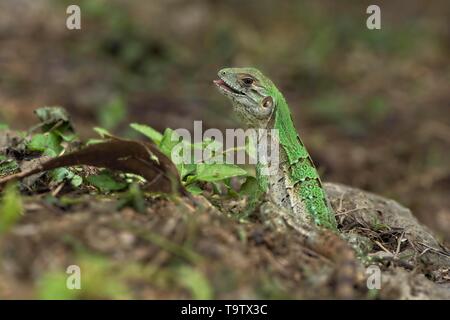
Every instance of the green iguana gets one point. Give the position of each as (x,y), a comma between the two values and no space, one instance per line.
(294,188)
(296,185)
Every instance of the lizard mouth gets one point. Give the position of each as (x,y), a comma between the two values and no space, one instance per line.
(221,84)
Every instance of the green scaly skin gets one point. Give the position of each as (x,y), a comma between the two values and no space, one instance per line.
(295,185)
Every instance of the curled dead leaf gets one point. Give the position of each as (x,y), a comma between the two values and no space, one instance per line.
(141,158)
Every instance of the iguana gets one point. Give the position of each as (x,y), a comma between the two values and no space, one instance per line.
(295,185)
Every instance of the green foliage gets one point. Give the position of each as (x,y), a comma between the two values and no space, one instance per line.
(194,189)
(251,189)
(61,174)
(99,280)
(196,282)
(52,115)
(377,225)
(133,198)
(57,132)
(48,143)
(168,142)
(52,286)
(110,115)
(56,128)
(3,126)
(192,173)
(102,132)
(56,120)
(149,132)
(10,208)
(217,172)
(106,182)
(7,166)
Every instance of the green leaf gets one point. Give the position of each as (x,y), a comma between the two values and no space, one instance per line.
(167,143)
(76,181)
(229,188)
(60,174)
(147,131)
(216,172)
(94,141)
(10,208)
(252,190)
(196,282)
(250,147)
(249,187)
(56,119)
(102,132)
(38,142)
(187,169)
(194,189)
(66,136)
(48,143)
(52,114)
(3,126)
(105,182)
(7,166)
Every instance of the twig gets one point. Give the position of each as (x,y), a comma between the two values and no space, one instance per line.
(445,254)
(382,247)
(399,243)
(58,189)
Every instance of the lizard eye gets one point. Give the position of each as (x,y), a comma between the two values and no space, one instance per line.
(247,81)
(267,102)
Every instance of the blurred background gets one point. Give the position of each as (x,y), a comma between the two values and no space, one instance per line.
(372,106)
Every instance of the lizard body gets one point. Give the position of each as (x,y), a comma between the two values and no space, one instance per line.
(298,199)
(295,184)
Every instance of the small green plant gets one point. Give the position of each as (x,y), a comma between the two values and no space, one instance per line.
(7,165)
(106,182)
(57,132)
(10,208)
(193,174)
(56,141)
(194,281)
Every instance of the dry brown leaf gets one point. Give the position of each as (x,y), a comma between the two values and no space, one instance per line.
(141,158)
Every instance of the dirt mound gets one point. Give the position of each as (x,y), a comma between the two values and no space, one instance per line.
(174,250)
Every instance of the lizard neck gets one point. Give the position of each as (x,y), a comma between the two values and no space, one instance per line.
(294,182)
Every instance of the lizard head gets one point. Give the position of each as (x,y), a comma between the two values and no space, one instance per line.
(254,96)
